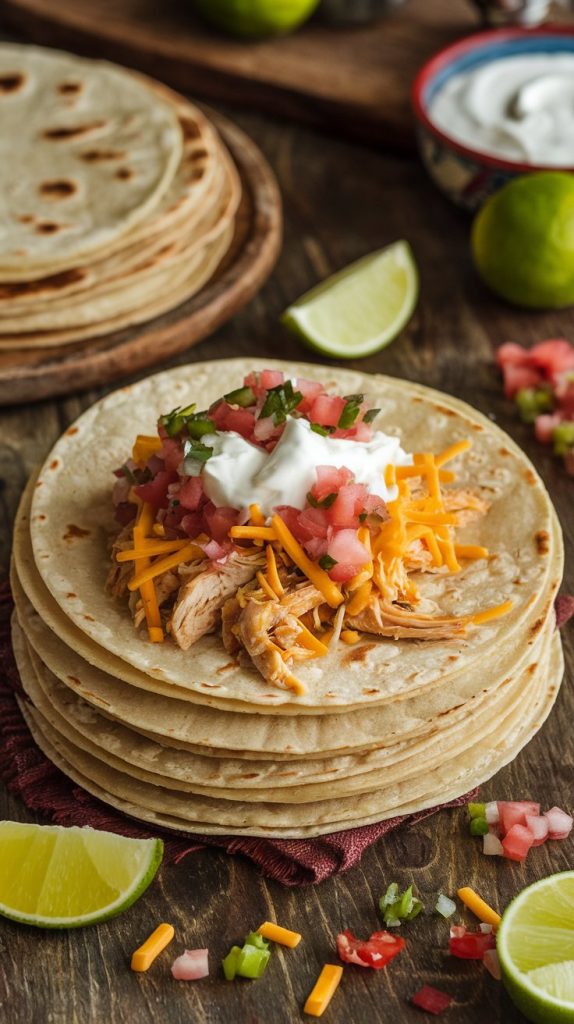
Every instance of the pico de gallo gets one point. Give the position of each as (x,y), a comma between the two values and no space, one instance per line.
(284,514)
(541,382)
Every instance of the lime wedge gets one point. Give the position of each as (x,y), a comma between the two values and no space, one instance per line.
(362,308)
(55,877)
(535,945)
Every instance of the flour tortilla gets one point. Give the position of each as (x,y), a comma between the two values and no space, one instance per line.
(299,781)
(211,732)
(67,640)
(194,814)
(68,126)
(73,490)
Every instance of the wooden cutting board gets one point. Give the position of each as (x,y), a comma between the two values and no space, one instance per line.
(27,375)
(354,81)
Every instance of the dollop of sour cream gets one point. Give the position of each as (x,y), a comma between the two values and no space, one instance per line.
(519,108)
(239,474)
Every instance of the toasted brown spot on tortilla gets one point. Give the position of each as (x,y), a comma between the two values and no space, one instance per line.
(503,451)
(89,618)
(453,657)
(69,88)
(477,426)
(529,476)
(542,541)
(197,175)
(72,430)
(73,532)
(54,463)
(441,714)
(40,483)
(55,283)
(41,516)
(211,686)
(249,775)
(26,218)
(60,188)
(369,693)
(124,173)
(416,399)
(358,653)
(47,227)
(536,627)
(189,129)
(532,668)
(61,134)
(226,668)
(198,154)
(74,679)
(71,594)
(12,82)
(444,410)
(517,582)
(94,156)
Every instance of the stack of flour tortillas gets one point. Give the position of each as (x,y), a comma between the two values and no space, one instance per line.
(197,740)
(118,198)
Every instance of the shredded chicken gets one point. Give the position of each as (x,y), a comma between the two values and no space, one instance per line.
(230,614)
(382,618)
(467,504)
(120,572)
(199,602)
(263,622)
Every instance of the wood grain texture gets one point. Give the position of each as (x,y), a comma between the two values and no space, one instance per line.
(33,374)
(353,81)
(340,202)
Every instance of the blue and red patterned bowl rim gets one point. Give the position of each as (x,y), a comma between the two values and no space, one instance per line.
(472,51)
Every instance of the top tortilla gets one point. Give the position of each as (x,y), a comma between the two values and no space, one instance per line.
(72,518)
(87,151)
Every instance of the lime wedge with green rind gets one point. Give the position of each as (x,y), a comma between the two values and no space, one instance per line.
(535,944)
(256,17)
(361,309)
(55,877)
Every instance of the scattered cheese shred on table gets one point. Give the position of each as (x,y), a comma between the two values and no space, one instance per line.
(145,955)
(283,936)
(474,902)
(325,987)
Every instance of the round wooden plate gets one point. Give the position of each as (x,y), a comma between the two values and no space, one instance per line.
(32,374)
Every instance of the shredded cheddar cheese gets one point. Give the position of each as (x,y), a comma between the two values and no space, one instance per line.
(311,570)
(189,553)
(252,533)
(144,447)
(151,548)
(272,572)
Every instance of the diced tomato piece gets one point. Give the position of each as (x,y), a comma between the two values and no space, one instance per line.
(517,842)
(361,432)
(343,572)
(537,825)
(559,823)
(330,480)
(191,524)
(155,491)
(171,452)
(290,517)
(313,522)
(252,381)
(349,502)
(470,945)
(375,952)
(125,513)
(564,393)
(511,354)
(553,356)
(310,389)
(191,493)
(513,812)
(219,521)
(271,379)
(544,426)
(517,377)
(346,547)
(316,548)
(431,999)
(326,410)
(241,421)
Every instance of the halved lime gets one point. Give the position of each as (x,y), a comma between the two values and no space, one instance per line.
(535,945)
(362,308)
(55,877)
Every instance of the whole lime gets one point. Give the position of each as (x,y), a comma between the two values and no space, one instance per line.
(256,18)
(523,240)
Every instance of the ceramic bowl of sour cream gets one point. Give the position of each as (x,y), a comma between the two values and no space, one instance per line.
(495,105)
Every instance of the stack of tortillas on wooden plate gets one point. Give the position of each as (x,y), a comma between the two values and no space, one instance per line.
(118,198)
(197,739)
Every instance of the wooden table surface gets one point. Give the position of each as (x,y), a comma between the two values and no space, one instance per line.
(340,202)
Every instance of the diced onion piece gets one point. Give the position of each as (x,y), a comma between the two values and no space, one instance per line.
(445,906)
(191,965)
(539,827)
(491,813)
(492,846)
(559,823)
(492,964)
(485,928)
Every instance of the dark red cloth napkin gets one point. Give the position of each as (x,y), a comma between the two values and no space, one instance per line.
(43,787)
